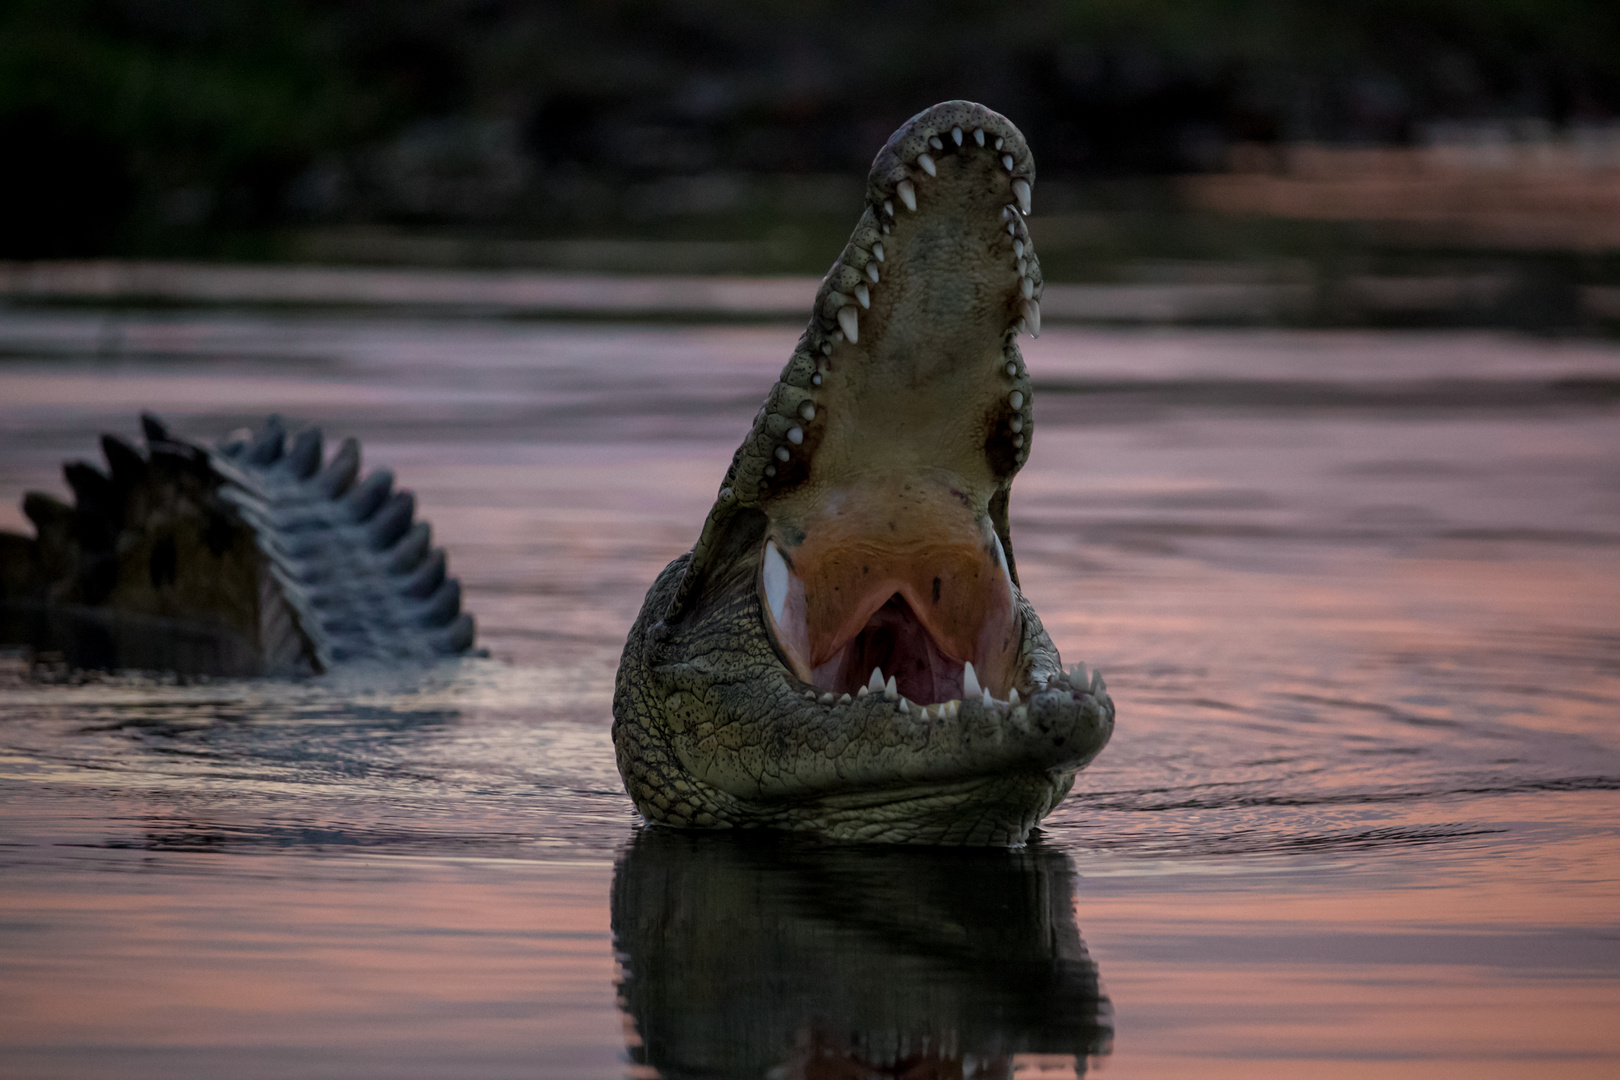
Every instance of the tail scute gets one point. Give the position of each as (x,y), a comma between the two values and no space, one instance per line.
(261,558)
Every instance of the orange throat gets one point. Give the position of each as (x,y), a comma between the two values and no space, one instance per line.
(902,583)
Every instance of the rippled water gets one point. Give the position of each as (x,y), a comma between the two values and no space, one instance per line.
(1357,597)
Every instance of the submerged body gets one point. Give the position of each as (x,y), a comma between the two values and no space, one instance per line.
(846,650)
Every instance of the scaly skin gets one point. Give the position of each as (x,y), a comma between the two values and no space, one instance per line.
(889,443)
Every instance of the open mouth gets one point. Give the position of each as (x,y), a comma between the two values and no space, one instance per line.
(930,615)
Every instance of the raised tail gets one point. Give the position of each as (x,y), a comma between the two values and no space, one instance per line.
(256,557)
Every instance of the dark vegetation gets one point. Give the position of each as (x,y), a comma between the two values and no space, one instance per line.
(214,126)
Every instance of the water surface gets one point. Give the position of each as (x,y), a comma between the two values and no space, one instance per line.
(1357,597)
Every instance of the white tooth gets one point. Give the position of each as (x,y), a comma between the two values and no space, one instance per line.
(905,706)
(978,136)
(886,229)
(956,136)
(827,698)
(1018,440)
(815,380)
(933,140)
(925,715)
(1078,675)
(888,207)
(1097,684)
(782,453)
(1006,213)
(770,470)
(864,295)
(1012,370)
(970,680)
(877,250)
(1021,189)
(871,271)
(847,319)
(987,700)
(876,681)
(927,163)
(999,141)
(1007,161)
(1016,399)
(1027,287)
(808,410)
(862,692)
(1018,248)
(845,700)
(1023,327)
(1022,268)
(1012,230)
(776,580)
(1012,697)
(795,435)
(890,691)
(1017,424)
(907,193)
(811,694)
(1032,316)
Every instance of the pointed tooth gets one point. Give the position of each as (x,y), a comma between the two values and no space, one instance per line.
(877,250)
(905,706)
(987,701)
(890,691)
(795,435)
(1012,697)
(927,163)
(811,694)
(808,409)
(1018,248)
(1097,684)
(776,580)
(862,692)
(851,323)
(1023,268)
(872,271)
(1021,189)
(933,140)
(970,680)
(1078,675)
(864,295)
(978,136)
(1007,162)
(956,136)
(827,698)
(845,699)
(999,141)
(1032,316)
(1025,286)
(1016,399)
(888,207)
(908,194)
(876,681)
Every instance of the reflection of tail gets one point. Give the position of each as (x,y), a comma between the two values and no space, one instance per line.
(750,956)
(248,559)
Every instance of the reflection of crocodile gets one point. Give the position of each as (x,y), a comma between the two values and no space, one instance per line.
(251,559)
(846,650)
(752,957)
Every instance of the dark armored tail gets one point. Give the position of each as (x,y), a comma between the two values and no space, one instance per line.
(255,557)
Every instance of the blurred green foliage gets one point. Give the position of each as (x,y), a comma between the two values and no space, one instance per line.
(164,125)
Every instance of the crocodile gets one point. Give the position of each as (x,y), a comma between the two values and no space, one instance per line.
(846,649)
(255,557)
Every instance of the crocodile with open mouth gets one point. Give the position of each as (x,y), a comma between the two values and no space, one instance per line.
(846,649)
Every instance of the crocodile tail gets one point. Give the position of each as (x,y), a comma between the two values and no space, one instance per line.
(255,557)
